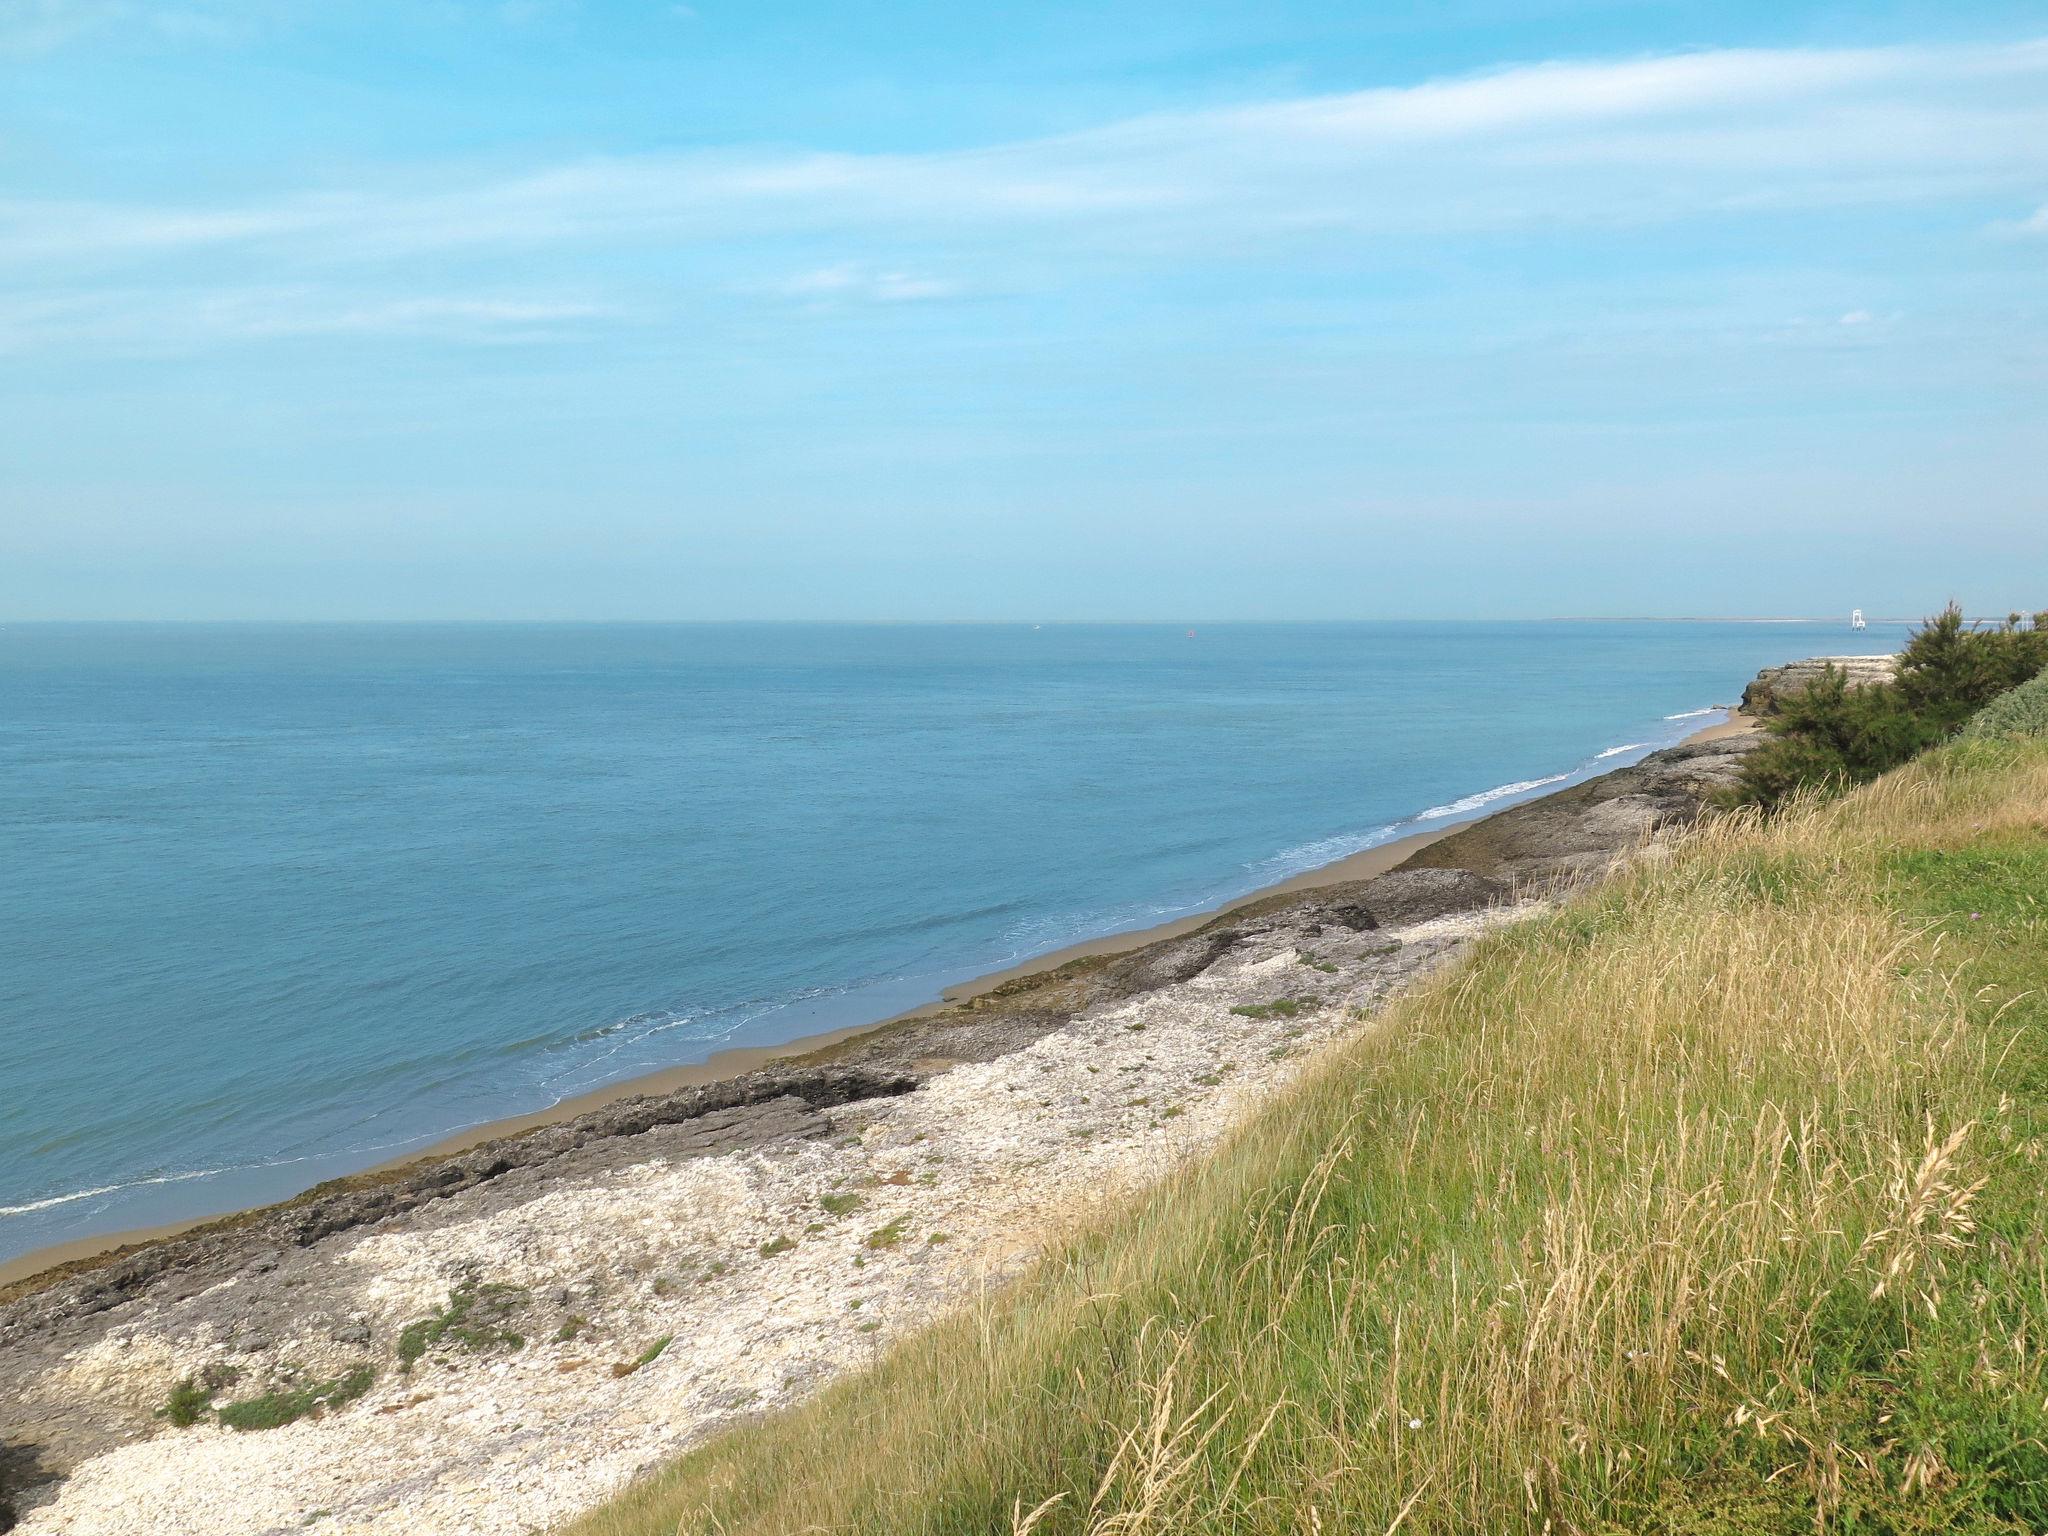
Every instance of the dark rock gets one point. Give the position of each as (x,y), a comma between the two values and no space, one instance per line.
(1169,962)
(1418,895)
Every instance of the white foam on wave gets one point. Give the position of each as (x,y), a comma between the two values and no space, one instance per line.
(1693,714)
(1487,796)
(106,1189)
(1306,856)
(1627,746)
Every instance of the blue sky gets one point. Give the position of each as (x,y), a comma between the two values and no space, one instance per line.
(538,308)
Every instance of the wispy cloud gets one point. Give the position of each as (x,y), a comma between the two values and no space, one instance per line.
(38,26)
(1555,146)
(33,27)
(1632,140)
(849,281)
(145,321)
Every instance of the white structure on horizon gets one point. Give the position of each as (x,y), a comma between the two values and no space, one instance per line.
(1856,619)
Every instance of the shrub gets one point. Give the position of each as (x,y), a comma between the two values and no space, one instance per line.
(187,1402)
(1949,671)
(2021,711)
(1831,735)
(275,1409)
(474,1318)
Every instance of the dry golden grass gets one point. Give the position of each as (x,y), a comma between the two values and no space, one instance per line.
(1700,1205)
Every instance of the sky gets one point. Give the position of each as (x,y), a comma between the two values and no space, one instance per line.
(1138,309)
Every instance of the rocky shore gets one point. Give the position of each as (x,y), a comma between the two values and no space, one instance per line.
(493,1341)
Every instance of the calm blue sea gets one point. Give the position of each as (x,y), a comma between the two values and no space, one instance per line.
(277,902)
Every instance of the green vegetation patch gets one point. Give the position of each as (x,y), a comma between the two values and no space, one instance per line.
(188,1402)
(776,1245)
(273,1410)
(646,1356)
(841,1204)
(474,1320)
(1279,1008)
(1830,736)
(2015,714)
(888,1236)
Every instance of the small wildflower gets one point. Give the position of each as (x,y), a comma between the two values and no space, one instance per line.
(1415,1423)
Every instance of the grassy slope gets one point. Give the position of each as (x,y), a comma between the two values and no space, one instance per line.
(1711,1204)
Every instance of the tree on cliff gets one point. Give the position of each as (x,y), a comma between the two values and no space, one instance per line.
(1833,734)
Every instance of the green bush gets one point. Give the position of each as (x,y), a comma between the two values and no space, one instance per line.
(2021,711)
(273,1410)
(188,1401)
(474,1319)
(1833,735)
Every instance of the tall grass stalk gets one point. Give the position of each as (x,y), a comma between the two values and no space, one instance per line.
(1665,1210)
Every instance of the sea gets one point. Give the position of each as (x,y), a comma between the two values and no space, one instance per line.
(282,901)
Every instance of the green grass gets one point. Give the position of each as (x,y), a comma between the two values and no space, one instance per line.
(840,1204)
(776,1245)
(473,1320)
(275,1409)
(1713,1204)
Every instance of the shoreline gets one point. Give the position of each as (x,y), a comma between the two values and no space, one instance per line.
(725,1215)
(722,1066)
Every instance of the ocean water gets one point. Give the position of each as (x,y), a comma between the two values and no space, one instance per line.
(281,901)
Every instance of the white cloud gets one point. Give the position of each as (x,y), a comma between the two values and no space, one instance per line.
(1549,146)
(850,281)
(2034,224)
(144,321)
(1542,96)
(1626,141)
(1856,317)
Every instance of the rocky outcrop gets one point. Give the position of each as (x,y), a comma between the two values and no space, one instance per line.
(1579,832)
(1761,697)
(774,1104)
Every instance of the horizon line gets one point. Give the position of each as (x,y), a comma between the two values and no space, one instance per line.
(1004,622)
